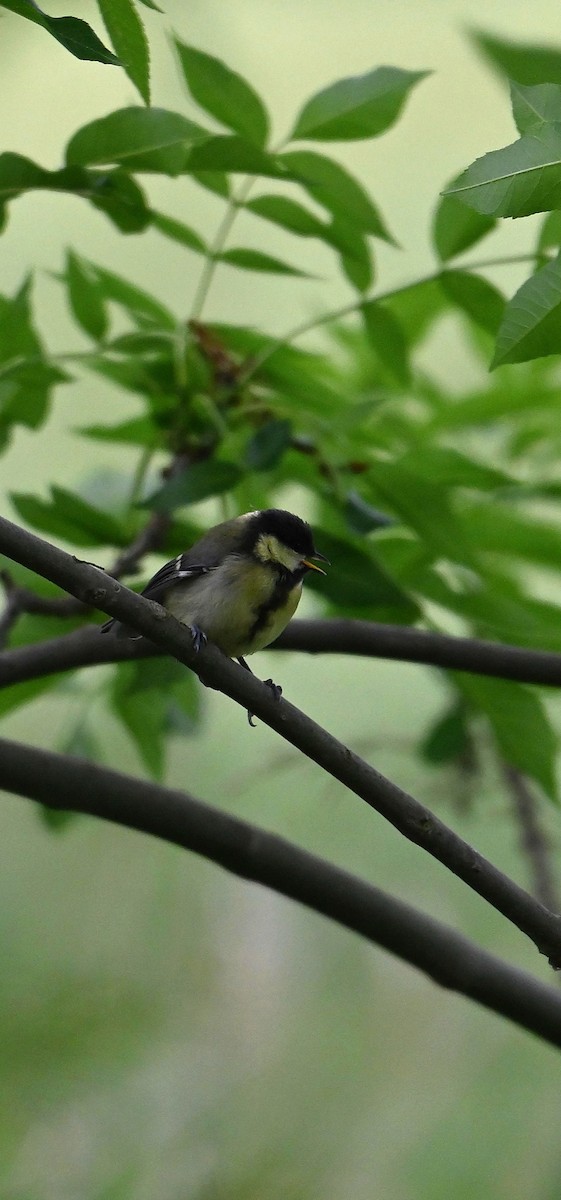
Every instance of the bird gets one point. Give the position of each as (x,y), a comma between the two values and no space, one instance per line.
(239,584)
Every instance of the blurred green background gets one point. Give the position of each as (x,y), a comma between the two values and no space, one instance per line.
(168,1031)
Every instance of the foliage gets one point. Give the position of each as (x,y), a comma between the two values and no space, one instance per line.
(420,519)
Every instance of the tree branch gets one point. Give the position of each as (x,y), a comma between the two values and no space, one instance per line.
(253,854)
(418,824)
(338,635)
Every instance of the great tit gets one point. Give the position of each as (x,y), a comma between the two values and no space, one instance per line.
(239,585)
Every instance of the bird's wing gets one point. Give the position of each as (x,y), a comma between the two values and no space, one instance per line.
(176,571)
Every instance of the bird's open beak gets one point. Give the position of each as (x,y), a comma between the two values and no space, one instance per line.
(312,565)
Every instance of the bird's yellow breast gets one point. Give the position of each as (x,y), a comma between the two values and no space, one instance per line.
(231,605)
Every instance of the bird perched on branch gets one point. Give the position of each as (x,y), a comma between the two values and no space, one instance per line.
(239,585)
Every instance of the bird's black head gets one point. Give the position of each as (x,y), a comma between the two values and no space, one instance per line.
(282,540)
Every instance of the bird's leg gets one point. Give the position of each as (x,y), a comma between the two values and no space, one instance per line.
(275,688)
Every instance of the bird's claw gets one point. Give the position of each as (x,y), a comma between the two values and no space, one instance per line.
(199,638)
(275,688)
(277,693)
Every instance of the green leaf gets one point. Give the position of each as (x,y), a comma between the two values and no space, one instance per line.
(520,724)
(139,431)
(498,529)
(266,447)
(520,179)
(356,108)
(179,232)
(142,308)
(70,517)
(531,325)
(387,339)
(86,297)
(424,506)
(356,584)
(147,697)
(448,738)
(200,481)
(336,190)
(23,693)
(288,214)
(214,181)
(232,153)
(26,377)
(72,33)
(126,31)
(533,107)
(550,233)
(355,256)
(339,235)
(444,466)
(526,63)
(457,228)
(416,308)
(113,192)
(361,517)
(25,393)
(144,139)
(476,297)
(224,94)
(254,260)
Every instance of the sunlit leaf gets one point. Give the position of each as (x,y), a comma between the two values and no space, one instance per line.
(288,214)
(456,228)
(86,296)
(143,139)
(520,179)
(527,63)
(126,31)
(531,325)
(336,190)
(360,107)
(233,153)
(550,232)
(224,94)
(178,232)
(533,107)
(255,260)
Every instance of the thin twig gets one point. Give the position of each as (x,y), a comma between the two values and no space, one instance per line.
(533,840)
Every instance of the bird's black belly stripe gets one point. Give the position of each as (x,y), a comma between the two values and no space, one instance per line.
(286,581)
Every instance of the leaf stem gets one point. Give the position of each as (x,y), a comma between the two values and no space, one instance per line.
(222,233)
(346,310)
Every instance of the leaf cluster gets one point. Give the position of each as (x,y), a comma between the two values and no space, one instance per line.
(424,518)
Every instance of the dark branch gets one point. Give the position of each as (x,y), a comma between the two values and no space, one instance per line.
(332,636)
(448,958)
(417,823)
(478,657)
